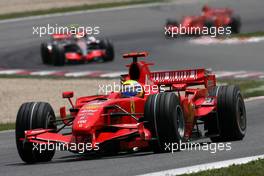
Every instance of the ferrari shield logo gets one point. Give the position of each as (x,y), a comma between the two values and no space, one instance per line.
(132,106)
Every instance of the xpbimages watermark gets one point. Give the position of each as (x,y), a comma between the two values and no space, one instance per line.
(190,146)
(116,87)
(72,29)
(78,147)
(209,31)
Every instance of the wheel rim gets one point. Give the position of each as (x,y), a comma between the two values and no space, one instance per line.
(180,122)
(50,124)
(241,115)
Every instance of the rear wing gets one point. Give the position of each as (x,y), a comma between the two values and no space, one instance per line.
(135,55)
(186,77)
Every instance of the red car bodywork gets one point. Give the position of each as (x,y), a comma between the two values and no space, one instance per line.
(76,56)
(219,17)
(104,118)
(91,55)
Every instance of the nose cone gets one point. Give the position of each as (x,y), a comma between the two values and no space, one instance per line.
(88,118)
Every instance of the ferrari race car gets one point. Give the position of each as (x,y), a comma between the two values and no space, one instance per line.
(151,110)
(69,48)
(210,17)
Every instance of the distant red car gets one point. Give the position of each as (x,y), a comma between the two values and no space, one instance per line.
(171,110)
(69,48)
(210,17)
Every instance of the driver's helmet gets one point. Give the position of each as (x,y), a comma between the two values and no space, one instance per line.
(79,36)
(92,39)
(132,88)
(205,8)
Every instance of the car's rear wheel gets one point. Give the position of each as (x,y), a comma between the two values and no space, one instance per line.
(235,24)
(30,116)
(231,113)
(165,118)
(45,55)
(109,50)
(209,24)
(58,55)
(171,22)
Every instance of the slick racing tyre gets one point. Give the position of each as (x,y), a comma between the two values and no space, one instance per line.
(58,55)
(231,113)
(45,55)
(170,23)
(165,118)
(209,24)
(235,24)
(33,115)
(109,50)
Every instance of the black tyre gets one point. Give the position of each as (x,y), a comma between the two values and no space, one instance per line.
(209,24)
(45,55)
(165,120)
(235,24)
(58,55)
(231,113)
(109,49)
(109,148)
(172,22)
(33,115)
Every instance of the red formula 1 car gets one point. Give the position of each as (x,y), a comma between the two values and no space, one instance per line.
(69,48)
(210,17)
(169,110)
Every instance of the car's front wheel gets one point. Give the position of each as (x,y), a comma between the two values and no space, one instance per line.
(45,55)
(109,50)
(165,118)
(31,116)
(58,55)
(235,24)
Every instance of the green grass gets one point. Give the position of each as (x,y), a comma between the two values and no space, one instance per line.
(75,8)
(254,168)
(250,34)
(7,126)
(249,88)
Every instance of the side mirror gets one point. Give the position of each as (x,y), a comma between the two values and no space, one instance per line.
(67,94)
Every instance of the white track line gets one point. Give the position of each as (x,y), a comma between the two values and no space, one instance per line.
(7,131)
(43,73)
(203,167)
(112,75)
(222,74)
(79,74)
(248,75)
(240,40)
(254,98)
(11,71)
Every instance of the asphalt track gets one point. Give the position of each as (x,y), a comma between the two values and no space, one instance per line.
(68,164)
(139,29)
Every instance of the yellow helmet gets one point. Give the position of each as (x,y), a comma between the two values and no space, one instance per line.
(131,88)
